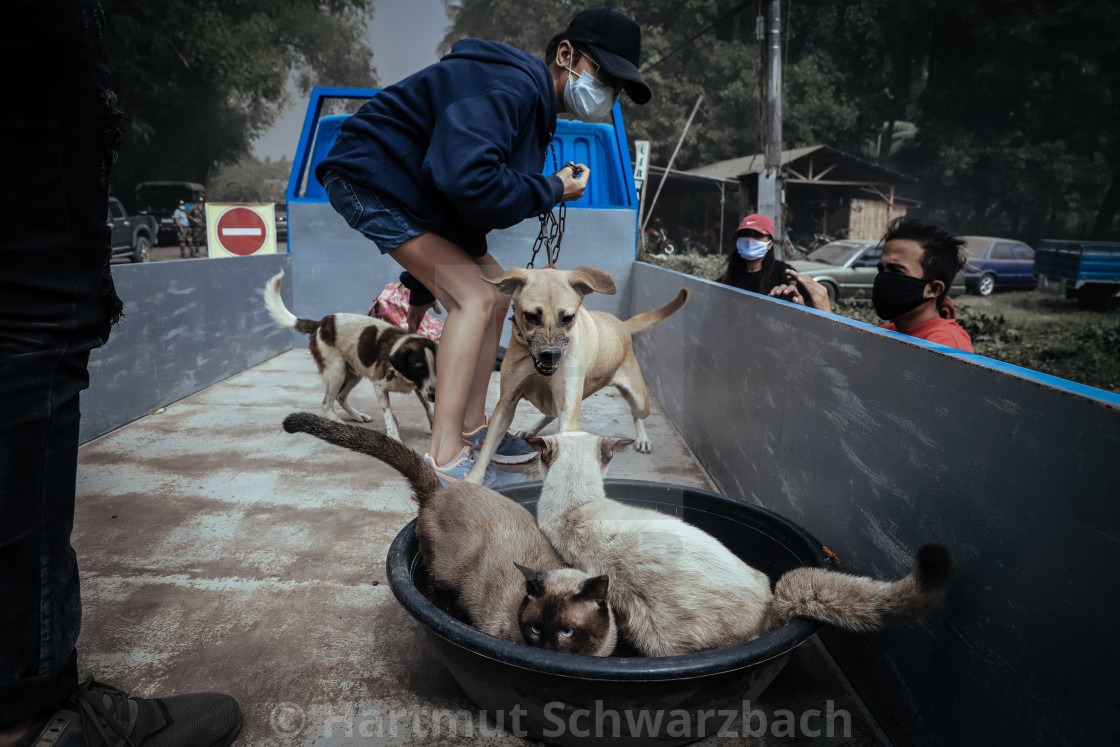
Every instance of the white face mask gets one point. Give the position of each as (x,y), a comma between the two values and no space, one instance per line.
(751,248)
(587,98)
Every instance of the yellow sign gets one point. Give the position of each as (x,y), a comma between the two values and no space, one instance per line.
(241,229)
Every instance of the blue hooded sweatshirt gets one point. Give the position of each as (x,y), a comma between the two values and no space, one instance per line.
(459,146)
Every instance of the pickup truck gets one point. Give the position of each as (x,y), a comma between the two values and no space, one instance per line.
(160,199)
(1086,270)
(131,235)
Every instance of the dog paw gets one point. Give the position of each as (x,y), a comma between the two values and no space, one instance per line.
(361,417)
(522,434)
(643,447)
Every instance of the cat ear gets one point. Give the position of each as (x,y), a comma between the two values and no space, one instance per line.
(534,585)
(547,448)
(608,445)
(596,589)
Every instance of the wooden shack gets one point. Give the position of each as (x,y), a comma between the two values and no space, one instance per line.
(827,191)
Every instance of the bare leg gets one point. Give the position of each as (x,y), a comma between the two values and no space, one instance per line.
(476,404)
(475,312)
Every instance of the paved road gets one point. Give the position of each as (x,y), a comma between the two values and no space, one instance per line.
(163,253)
(158,254)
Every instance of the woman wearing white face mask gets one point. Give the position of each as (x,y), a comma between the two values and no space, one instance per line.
(430,165)
(751,264)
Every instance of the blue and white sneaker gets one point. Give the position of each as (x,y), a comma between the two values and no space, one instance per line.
(462,465)
(511,450)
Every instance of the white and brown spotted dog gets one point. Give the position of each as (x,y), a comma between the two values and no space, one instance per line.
(351,347)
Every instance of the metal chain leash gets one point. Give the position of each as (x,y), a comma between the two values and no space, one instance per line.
(552,227)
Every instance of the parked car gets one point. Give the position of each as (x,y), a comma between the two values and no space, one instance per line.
(843,267)
(130,235)
(995,263)
(160,199)
(849,266)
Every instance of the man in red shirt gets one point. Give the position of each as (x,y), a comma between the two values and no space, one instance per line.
(911,290)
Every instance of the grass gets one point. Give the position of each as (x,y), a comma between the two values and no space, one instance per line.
(1032,329)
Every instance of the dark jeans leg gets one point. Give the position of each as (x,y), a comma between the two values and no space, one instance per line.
(42,610)
(58,132)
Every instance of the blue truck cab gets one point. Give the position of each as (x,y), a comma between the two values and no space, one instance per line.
(603,147)
(600,230)
(1086,270)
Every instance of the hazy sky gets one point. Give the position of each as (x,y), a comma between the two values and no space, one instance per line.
(404,36)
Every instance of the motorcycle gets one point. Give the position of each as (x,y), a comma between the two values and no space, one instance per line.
(656,239)
(819,240)
(702,241)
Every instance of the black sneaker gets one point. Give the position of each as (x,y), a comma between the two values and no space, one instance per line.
(98,715)
(510,450)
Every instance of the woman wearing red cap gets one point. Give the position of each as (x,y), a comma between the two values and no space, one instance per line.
(430,165)
(752,266)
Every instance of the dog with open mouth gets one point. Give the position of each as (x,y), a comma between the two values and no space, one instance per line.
(560,353)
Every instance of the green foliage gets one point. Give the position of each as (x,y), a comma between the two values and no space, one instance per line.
(198,80)
(1004,110)
(1019,116)
(1052,335)
(249,180)
(709,268)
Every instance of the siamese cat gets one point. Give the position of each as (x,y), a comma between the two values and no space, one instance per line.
(487,551)
(676,590)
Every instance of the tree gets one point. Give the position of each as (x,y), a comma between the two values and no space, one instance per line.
(1005,110)
(249,180)
(198,80)
(1018,119)
(677,61)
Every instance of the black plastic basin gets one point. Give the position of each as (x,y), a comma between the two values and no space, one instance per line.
(567,699)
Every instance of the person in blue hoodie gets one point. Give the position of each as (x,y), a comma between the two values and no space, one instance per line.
(430,165)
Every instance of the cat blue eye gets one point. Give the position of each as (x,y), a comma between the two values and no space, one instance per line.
(567,632)
(535,629)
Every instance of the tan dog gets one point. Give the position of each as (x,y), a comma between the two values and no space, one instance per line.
(560,353)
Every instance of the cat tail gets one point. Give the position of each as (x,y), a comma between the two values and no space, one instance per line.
(858,603)
(419,473)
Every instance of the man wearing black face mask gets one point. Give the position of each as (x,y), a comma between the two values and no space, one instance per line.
(911,290)
(917,267)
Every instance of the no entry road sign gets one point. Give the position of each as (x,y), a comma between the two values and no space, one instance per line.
(241,230)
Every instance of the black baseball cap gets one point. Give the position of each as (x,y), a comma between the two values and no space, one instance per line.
(615,42)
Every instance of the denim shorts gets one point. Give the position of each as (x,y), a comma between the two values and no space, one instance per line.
(384,223)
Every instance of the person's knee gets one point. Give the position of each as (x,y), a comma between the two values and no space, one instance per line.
(501,306)
(484,303)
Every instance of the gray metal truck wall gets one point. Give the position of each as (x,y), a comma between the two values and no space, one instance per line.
(188,324)
(334,268)
(192,323)
(877,444)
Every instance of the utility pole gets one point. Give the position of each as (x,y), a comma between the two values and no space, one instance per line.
(769,179)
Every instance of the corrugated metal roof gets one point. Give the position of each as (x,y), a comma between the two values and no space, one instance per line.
(846,166)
